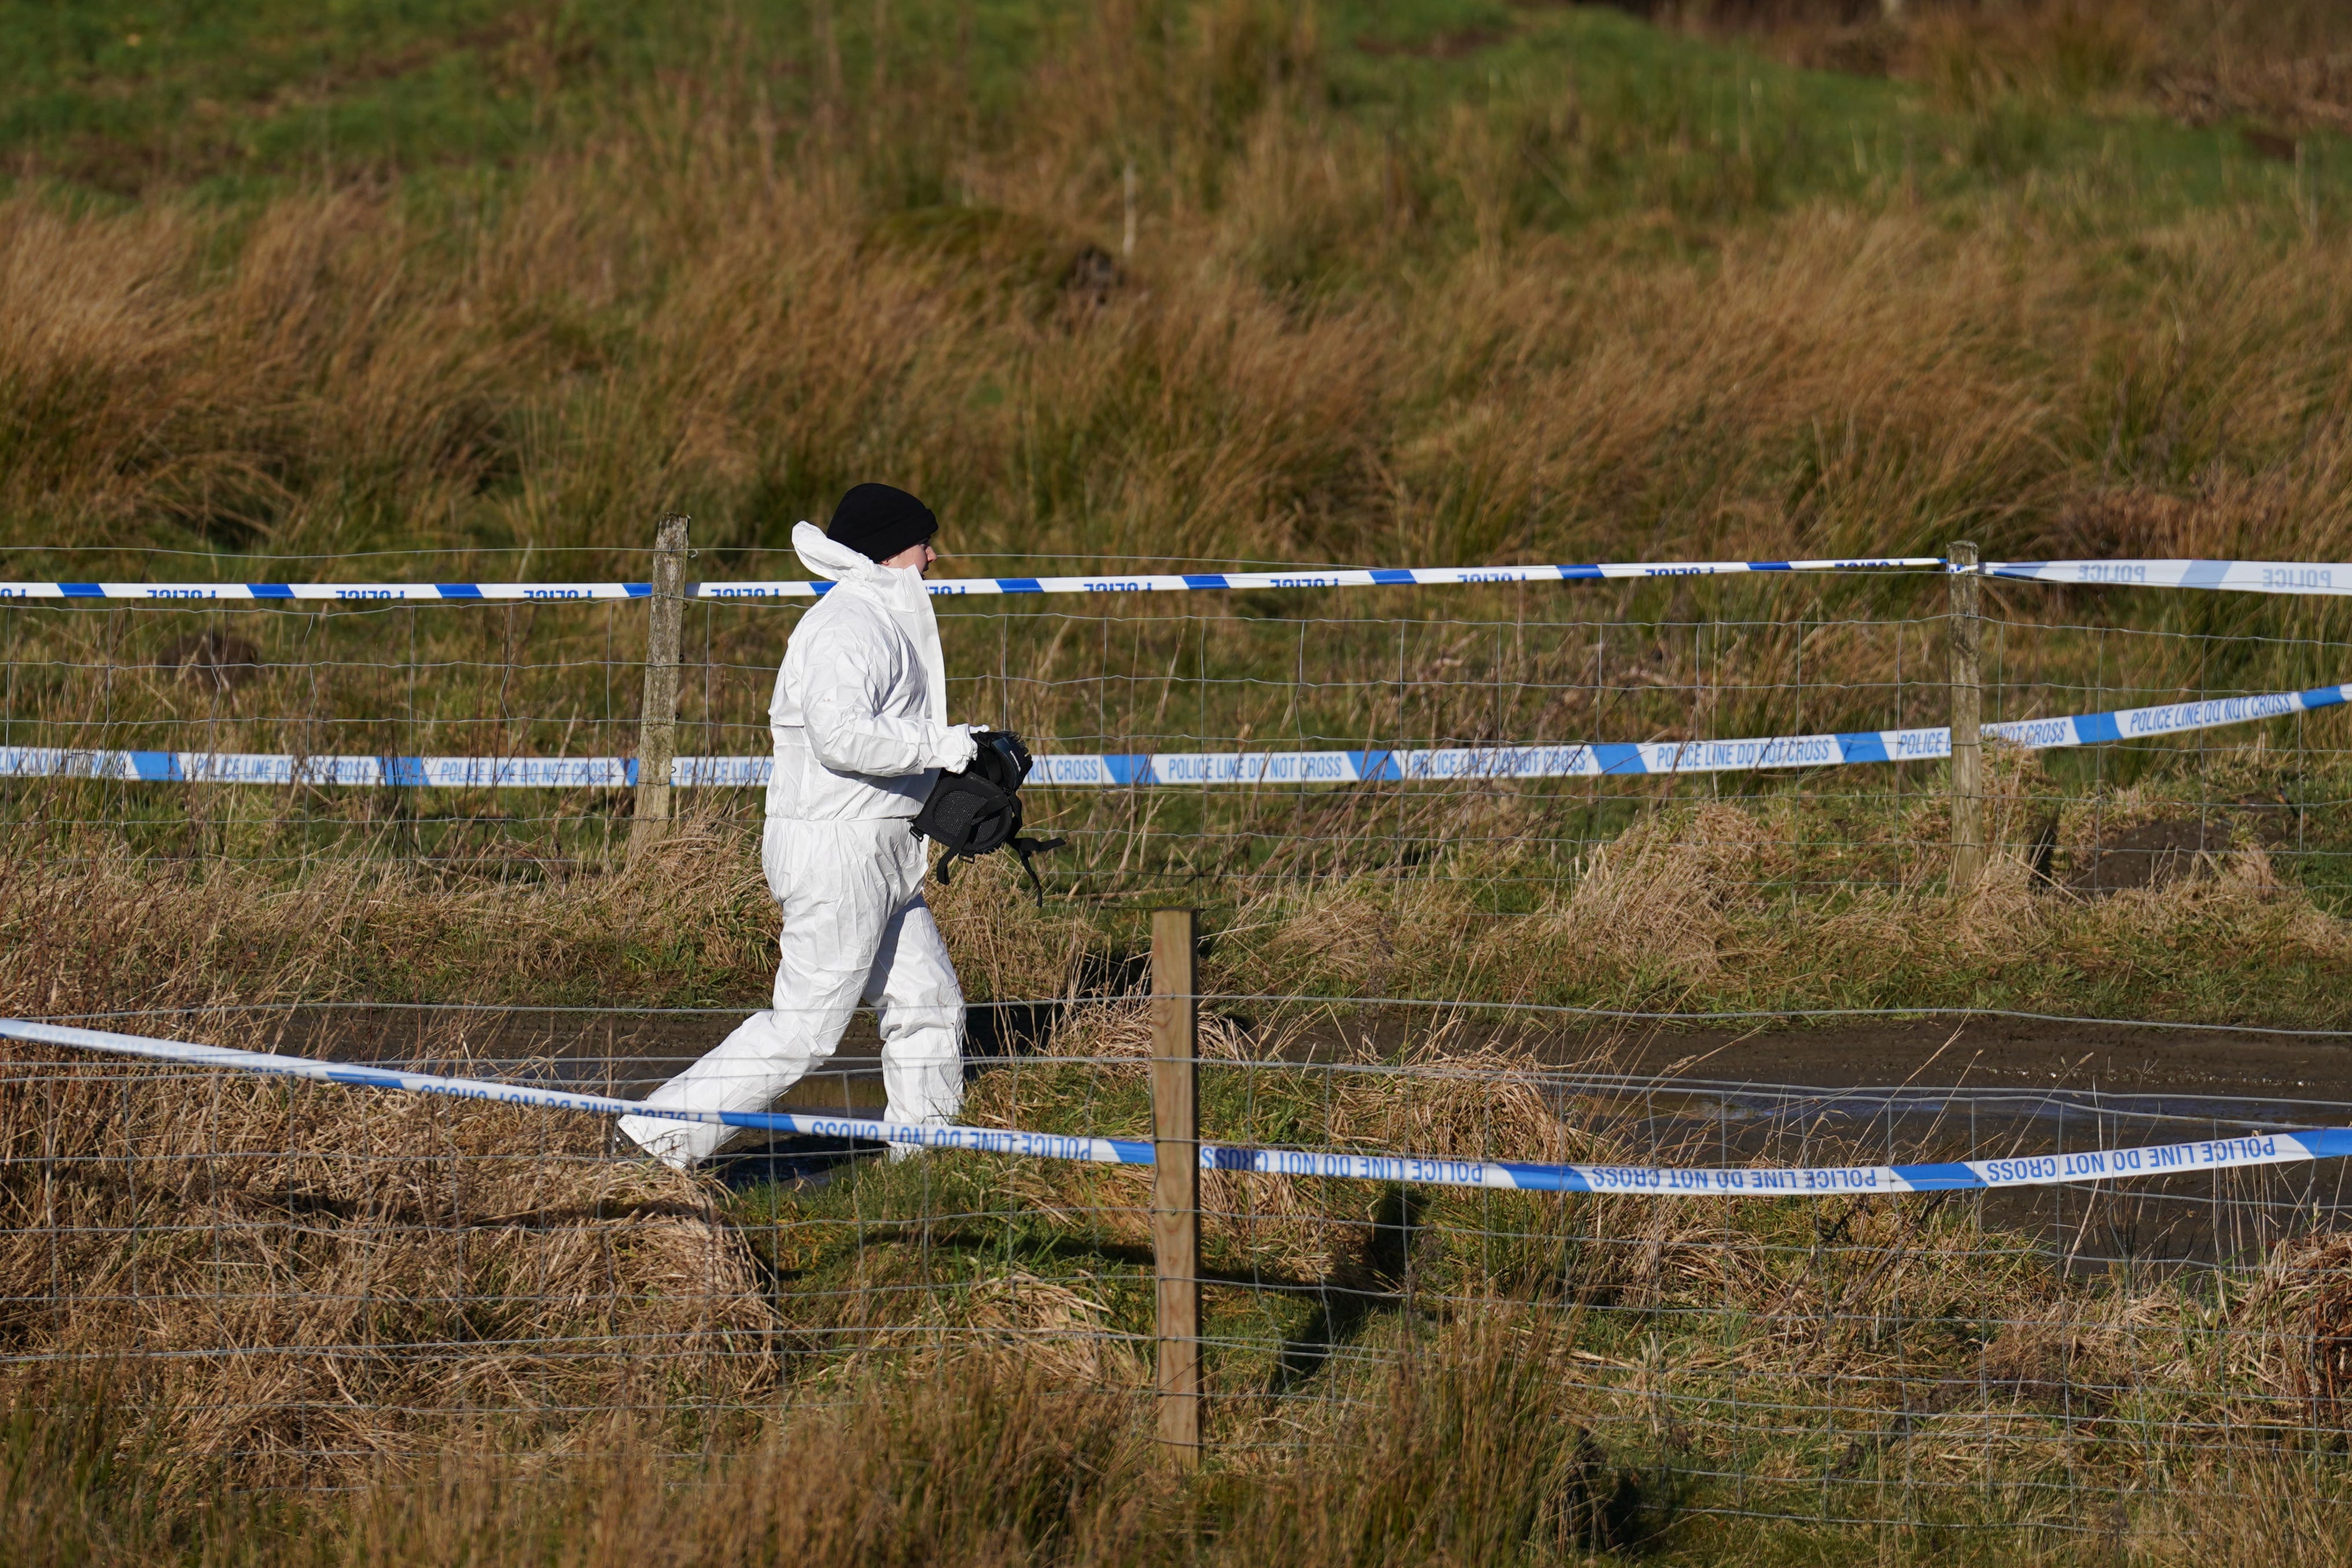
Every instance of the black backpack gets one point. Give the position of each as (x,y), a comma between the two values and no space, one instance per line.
(977,811)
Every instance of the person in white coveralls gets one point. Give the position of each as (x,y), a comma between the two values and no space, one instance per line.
(859,726)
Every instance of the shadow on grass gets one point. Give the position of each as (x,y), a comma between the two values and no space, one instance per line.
(1373,1281)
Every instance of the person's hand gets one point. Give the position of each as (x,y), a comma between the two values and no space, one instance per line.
(956,749)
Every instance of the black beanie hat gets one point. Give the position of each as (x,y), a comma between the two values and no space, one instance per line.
(879,520)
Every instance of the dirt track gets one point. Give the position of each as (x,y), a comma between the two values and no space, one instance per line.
(1977,1053)
(2014,1054)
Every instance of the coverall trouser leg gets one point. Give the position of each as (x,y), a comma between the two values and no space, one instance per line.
(854,929)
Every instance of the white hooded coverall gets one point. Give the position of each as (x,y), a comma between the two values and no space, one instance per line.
(858,723)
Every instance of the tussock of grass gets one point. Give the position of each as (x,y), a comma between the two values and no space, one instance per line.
(1635,296)
(1794,901)
(1440,1376)
(1660,899)
(1504,324)
(408,1274)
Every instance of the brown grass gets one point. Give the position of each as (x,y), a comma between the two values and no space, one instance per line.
(1662,895)
(463,1308)
(678,315)
(2200,61)
(296,1288)
(1310,357)
(1468,1461)
(1696,906)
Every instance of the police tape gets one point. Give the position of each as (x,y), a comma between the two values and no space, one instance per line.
(946,588)
(1333,577)
(985,1140)
(1123,770)
(1812,1181)
(373,773)
(2232,576)
(2218,1154)
(2245,576)
(328,593)
(1637,759)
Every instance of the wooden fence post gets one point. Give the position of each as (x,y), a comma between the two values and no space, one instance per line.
(1176,1180)
(657,723)
(1967,713)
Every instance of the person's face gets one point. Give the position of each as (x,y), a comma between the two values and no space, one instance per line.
(919,556)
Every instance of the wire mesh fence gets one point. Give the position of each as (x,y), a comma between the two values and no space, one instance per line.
(314,1285)
(1219,679)
(311,1285)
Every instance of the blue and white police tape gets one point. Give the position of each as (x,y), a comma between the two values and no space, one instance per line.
(328,593)
(947,587)
(279,768)
(1331,577)
(1633,758)
(985,1140)
(2233,576)
(1123,770)
(2246,576)
(1814,1181)
(1735,1181)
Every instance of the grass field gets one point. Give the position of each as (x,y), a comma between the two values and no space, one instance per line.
(442,290)
(1449,284)
(948,1361)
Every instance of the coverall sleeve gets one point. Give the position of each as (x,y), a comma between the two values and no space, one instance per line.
(847,681)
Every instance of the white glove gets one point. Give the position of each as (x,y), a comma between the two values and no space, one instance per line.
(956,749)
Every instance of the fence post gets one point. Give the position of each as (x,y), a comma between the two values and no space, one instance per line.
(1962,584)
(1176,1180)
(657,723)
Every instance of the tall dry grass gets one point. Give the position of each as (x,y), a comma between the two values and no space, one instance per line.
(502,1339)
(1203,420)
(1330,343)
(2202,61)
(604,1371)
(1467,1463)
(1520,329)
(292,1289)
(717,311)
(1796,901)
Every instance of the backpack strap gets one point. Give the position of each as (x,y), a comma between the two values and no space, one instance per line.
(1028,848)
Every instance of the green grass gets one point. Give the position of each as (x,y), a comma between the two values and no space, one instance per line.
(239,100)
(1573,142)
(125,99)
(1717,133)
(1415,282)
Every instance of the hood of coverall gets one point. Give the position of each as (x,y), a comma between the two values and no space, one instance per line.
(897,590)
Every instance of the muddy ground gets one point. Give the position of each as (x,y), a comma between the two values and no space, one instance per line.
(2012,1053)
(1897,1089)
(629,1051)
